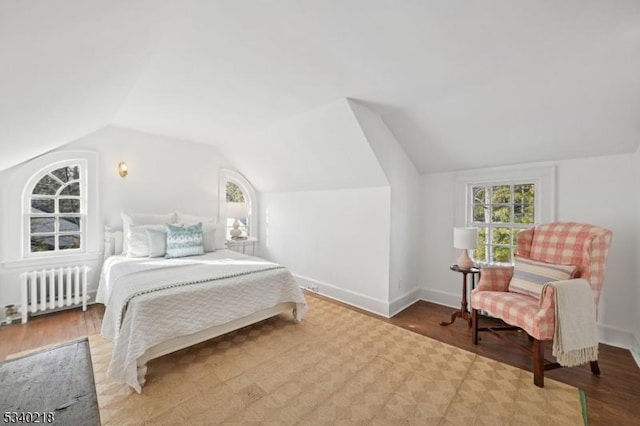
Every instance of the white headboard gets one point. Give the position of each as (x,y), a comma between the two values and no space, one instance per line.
(112,241)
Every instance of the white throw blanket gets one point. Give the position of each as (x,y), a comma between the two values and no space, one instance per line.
(575,339)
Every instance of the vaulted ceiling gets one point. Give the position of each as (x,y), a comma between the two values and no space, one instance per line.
(460,84)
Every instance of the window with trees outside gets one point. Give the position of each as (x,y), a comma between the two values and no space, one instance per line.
(55,211)
(500,211)
(235,195)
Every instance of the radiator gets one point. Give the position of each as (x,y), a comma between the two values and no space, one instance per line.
(54,289)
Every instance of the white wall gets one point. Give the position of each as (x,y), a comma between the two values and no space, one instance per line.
(439,284)
(405,184)
(596,191)
(164,175)
(636,328)
(337,239)
(593,190)
(317,150)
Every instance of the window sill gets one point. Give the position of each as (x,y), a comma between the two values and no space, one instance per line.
(51,261)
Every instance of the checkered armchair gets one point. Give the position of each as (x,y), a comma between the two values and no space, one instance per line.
(560,243)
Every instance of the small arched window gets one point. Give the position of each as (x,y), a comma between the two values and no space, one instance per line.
(240,201)
(235,196)
(56,209)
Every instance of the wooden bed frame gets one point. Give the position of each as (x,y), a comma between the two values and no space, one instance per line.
(182,342)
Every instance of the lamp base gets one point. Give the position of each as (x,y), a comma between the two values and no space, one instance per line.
(464,261)
(235,231)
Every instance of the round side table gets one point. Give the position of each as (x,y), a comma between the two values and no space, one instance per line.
(464,311)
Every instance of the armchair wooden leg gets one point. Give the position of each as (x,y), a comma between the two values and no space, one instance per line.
(538,363)
(474,326)
(595,369)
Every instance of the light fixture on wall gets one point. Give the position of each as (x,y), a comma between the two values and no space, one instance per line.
(123,170)
(237,211)
(465,239)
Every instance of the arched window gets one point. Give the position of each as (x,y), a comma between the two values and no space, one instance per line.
(235,196)
(240,201)
(55,207)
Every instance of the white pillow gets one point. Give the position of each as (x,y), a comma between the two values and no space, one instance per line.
(221,236)
(157,241)
(209,232)
(190,219)
(129,219)
(139,242)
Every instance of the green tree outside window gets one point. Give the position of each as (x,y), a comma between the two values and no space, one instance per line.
(500,212)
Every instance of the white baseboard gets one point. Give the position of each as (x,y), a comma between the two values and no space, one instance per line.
(620,338)
(441,297)
(635,350)
(400,303)
(359,300)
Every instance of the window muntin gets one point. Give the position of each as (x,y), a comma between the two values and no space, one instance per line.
(56,210)
(500,211)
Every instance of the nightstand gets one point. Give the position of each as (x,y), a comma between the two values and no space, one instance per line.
(244,246)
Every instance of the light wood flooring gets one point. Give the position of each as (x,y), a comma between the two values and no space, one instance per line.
(613,397)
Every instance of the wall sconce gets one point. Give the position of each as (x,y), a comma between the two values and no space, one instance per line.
(123,170)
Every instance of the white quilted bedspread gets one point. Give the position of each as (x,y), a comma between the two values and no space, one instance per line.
(195,293)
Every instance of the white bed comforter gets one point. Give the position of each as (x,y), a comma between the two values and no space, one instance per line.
(149,301)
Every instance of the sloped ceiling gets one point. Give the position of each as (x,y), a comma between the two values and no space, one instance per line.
(321,149)
(460,84)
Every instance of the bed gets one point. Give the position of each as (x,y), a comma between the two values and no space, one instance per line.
(155,306)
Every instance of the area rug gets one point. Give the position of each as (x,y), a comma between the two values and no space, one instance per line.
(54,385)
(336,367)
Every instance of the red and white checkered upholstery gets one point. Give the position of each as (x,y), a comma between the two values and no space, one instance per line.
(563,243)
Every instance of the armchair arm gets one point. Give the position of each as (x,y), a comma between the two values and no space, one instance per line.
(546,317)
(495,278)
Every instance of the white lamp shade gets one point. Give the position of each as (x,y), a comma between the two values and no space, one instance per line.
(465,238)
(237,210)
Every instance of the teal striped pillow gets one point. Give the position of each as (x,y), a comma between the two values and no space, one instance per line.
(529,276)
(184,240)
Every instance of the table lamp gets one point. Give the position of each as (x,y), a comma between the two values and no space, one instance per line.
(465,239)
(237,211)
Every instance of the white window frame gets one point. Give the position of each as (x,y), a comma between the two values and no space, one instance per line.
(15,248)
(26,209)
(250,197)
(542,176)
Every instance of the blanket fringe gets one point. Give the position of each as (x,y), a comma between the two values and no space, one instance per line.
(575,357)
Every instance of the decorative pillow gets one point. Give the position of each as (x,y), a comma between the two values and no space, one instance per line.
(213,232)
(138,237)
(529,276)
(157,241)
(129,219)
(208,235)
(184,240)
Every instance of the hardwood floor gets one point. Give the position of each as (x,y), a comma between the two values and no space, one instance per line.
(613,397)
(50,329)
